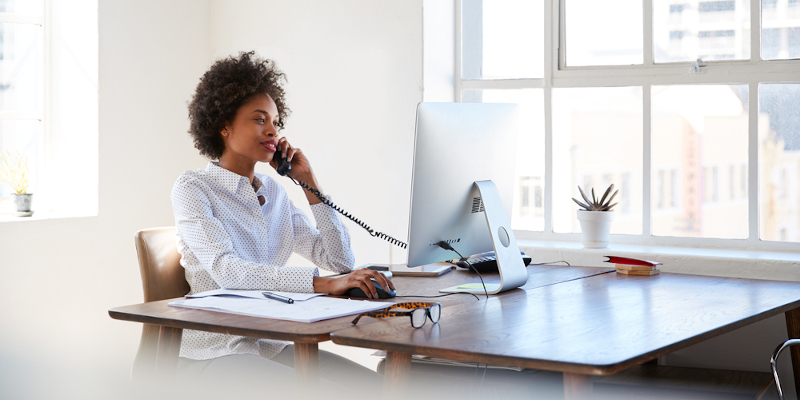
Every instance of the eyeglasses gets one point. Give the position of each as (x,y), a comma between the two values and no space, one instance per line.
(419,312)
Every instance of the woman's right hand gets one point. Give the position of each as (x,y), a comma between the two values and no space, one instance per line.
(360,278)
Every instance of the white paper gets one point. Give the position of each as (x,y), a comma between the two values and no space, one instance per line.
(312,310)
(254,294)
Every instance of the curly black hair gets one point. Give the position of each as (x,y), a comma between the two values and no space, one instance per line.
(228,84)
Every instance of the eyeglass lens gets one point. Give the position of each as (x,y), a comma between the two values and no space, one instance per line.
(418,317)
(436,311)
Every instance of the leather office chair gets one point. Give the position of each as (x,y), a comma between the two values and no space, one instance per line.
(163,277)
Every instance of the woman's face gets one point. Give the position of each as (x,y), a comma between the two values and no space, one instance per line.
(253,133)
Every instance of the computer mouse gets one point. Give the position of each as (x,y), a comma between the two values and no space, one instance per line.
(382,294)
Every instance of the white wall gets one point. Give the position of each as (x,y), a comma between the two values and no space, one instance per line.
(60,276)
(355,77)
(354,72)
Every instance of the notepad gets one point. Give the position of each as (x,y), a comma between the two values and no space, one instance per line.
(311,310)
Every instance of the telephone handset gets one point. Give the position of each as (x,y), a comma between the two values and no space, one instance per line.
(282,166)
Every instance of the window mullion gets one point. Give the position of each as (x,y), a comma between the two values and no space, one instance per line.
(755,31)
(45,132)
(752,165)
(647,231)
(647,35)
(561,19)
(457,95)
(551,56)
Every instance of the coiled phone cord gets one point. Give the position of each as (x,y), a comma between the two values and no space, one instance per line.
(330,204)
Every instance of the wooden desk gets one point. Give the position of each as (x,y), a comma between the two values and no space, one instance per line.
(593,326)
(172,320)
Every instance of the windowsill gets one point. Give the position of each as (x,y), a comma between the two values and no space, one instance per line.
(753,264)
(41,216)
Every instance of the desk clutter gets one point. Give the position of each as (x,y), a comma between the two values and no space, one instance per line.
(632,266)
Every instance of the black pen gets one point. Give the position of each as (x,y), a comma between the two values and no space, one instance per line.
(277,297)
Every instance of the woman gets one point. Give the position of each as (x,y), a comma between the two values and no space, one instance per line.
(237,228)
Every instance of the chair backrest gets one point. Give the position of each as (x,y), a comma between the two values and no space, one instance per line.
(773,361)
(163,277)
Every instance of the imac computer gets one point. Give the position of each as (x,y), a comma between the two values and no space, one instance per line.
(461,188)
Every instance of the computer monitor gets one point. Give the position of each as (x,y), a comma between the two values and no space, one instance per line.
(462,183)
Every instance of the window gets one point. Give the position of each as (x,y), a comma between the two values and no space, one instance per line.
(708,34)
(21,85)
(780,33)
(613,97)
(48,101)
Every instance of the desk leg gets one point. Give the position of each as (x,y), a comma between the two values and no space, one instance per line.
(306,367)
(793,328)
(396,374)
(169,347)
(577,387)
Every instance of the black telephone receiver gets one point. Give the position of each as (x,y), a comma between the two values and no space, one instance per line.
(282,166)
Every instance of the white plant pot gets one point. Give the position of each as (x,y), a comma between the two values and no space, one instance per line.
(23,204)
(595,226)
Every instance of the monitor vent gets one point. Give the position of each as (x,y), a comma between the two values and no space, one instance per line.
(477,205)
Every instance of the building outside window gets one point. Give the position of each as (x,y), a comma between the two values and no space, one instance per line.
(613,92)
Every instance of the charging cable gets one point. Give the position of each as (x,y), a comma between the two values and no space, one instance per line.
(447,246)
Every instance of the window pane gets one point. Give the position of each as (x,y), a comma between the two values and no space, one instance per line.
(22,7)
(528,201)
(779,162)
(604,32)
(780,29)
(20,67)
(699,161)
(597,141)
(503,39)
(21,136)
(712,30)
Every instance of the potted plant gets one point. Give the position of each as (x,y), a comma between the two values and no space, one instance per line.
(595,218)
(14,173)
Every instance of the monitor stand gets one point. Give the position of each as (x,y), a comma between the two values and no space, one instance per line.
(509,262)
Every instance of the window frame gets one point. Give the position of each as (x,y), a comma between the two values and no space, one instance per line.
(557,74)
(40,115)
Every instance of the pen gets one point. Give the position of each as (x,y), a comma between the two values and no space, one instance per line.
(277,297)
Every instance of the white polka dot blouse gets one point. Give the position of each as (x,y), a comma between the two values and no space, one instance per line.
(229,239)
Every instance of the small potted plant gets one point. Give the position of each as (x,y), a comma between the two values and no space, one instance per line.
(595,218)
(14,173)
